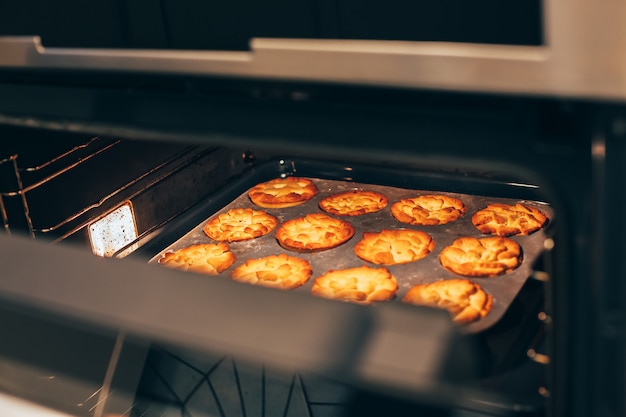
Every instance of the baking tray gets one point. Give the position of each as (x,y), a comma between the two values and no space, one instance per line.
(503,288)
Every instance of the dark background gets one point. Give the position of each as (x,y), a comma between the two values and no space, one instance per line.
(229,25)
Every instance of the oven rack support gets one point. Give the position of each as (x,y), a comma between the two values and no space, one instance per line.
(39,190)
(19,180)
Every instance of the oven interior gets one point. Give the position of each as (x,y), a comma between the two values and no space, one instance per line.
(55,184)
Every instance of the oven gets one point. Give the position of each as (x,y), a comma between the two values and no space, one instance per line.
(113,156)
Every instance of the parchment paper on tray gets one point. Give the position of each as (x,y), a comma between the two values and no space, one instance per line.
(503,288)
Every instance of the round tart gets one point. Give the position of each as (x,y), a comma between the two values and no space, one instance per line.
(240,224)
(484,257)
(428,210)
(204,258)
(354,203)
(313,232)
(465,301)
(283,192)
(277,271)
(362,285)
(391,247)
(508,220)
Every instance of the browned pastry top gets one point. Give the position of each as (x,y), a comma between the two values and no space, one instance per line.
(277,271)
(390,247)
(362,285)
(508,220)
(466,301)
(283,192)
(315,231)
(240,224)
(484,257)
(354,203)
(204,258)
(428,209)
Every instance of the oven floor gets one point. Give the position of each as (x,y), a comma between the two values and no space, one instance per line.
(180,385)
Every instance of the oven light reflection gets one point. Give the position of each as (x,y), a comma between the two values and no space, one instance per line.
(113,231)
(519,184)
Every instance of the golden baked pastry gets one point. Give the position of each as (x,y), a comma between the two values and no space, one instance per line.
(315,231)
(204,258)
(484,257)
(508,220)
(240,224)
(277,271)
(428,210)
(361,285)
(283,192)
(465,301)
(391,247)
(354,203)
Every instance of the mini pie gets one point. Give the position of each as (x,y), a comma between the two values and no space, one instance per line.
(354,203)
(240,224)
(277,271)
(391,247)
(361,285)
(315,231)
(508,220)
(428,210)
(484,257)
(465,301)
(283,192)
(204,258)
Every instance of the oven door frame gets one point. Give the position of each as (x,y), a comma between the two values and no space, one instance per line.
(583,374)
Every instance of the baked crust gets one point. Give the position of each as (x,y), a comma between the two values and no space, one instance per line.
(361,285)
(484,257)
(354,203)
(276,271)
(465,300)
(313,232)
(204,258)
(391,247)
(509,220)
(240,224)
(428,210)
(283,192)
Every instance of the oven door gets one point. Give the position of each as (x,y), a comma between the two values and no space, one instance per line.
(429,136)
(547,128)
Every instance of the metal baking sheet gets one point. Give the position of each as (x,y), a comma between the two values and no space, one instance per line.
(503,288)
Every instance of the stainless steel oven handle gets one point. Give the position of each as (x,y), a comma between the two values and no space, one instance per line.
(434,65)
(27,52)
(393,63)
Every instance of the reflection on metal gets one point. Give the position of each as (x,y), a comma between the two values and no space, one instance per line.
(519,184)
(598,149)
(548,244)
(544,317)
(538,357)
(17,407)
(543,391)
(114,231)
(541,276)
(90,399)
